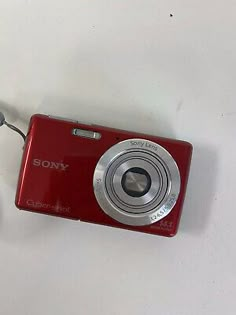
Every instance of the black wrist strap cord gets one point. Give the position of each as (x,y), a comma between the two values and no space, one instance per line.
(12,127)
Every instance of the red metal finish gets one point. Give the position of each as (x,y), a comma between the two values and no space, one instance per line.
(69,193)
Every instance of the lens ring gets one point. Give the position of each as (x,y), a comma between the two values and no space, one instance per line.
(111,160)
(136,207)
(115,183)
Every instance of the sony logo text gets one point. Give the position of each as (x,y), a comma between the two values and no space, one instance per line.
(50,164)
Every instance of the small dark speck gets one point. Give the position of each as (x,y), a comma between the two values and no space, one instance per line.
(171,15)
(93,26)
(222,115)
(179,105)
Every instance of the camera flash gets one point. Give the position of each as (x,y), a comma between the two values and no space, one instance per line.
(86,133)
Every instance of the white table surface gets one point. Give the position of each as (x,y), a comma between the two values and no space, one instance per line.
(127,64)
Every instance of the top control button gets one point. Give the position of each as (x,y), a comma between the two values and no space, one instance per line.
(62,118)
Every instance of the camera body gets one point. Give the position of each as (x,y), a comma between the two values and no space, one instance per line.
(103,175)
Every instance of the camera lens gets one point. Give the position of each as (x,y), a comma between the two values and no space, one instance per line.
(136,182)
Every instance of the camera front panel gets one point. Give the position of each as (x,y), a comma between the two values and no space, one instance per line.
(58,166)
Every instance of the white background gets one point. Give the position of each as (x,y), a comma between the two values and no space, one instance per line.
(130,65)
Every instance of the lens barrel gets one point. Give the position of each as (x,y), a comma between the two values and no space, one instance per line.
(136,182)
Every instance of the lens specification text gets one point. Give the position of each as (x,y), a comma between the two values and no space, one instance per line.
(144,144)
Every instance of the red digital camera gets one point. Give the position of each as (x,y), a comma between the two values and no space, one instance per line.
(103,175)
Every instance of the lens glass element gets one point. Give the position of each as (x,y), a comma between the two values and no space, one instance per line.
(136,182)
